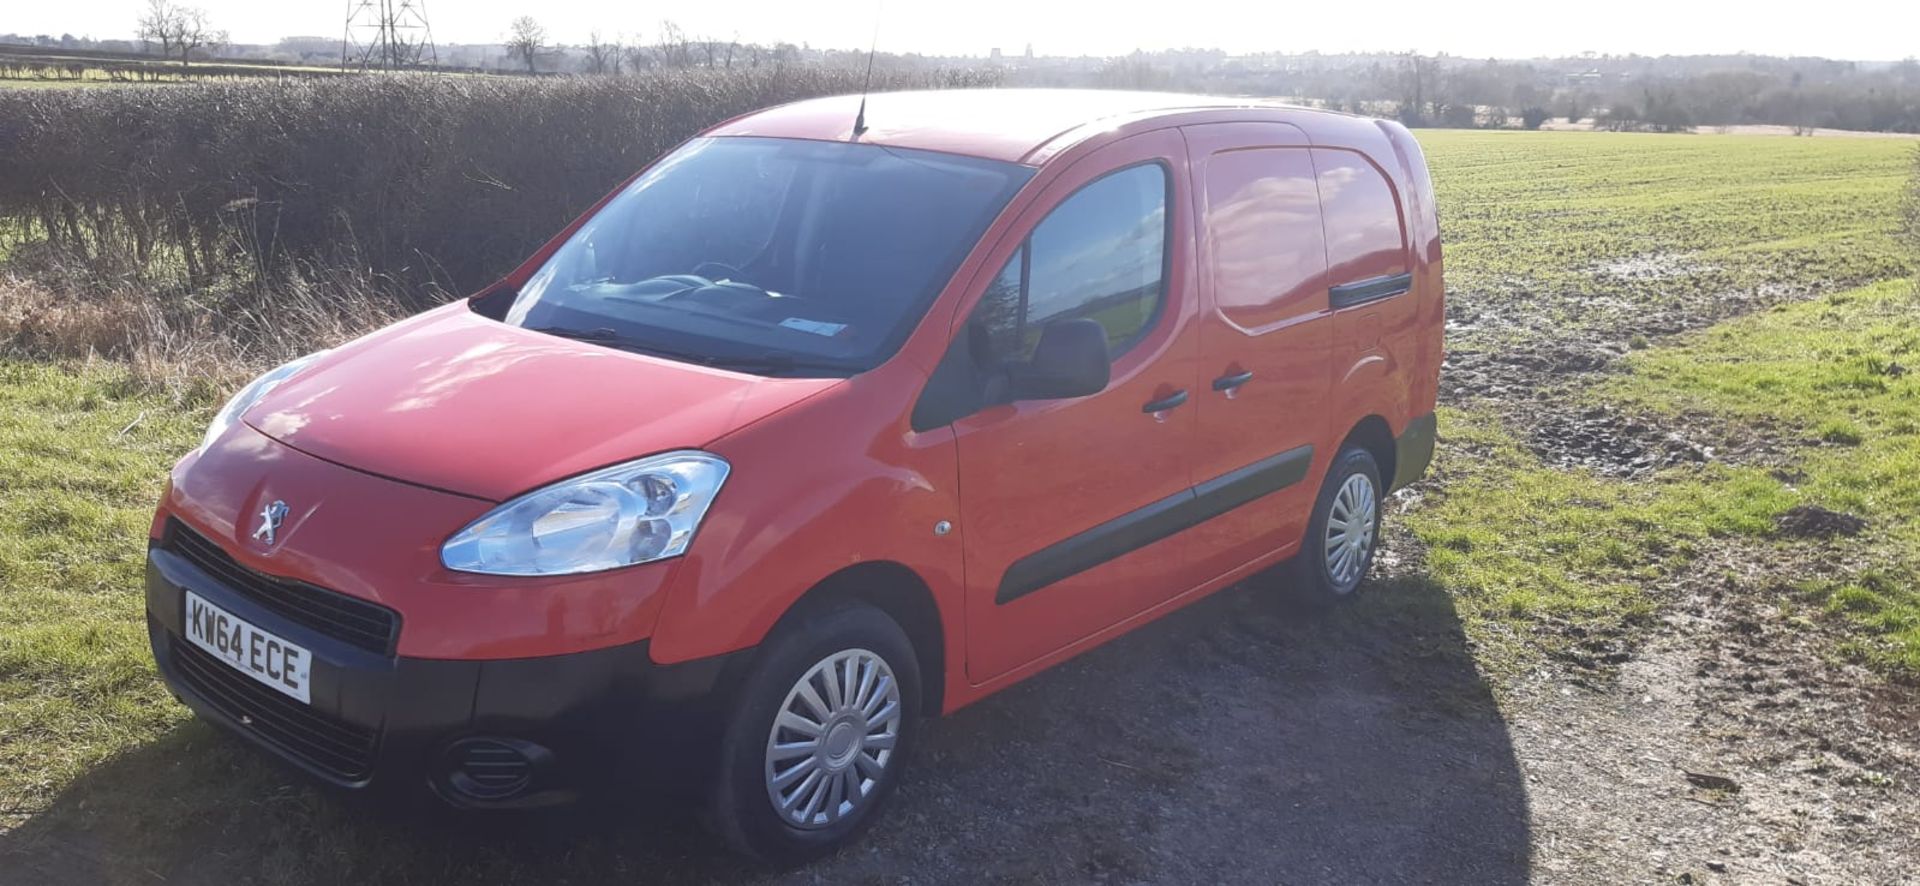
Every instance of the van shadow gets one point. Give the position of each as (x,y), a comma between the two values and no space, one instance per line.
(1238,741)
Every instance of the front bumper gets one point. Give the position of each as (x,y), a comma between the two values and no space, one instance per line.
(543,730)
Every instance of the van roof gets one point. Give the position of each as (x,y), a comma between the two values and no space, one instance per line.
(1015,125)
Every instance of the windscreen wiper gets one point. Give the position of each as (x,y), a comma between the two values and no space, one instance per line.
(601,334)
(779,363)
(614,339)
(755,363)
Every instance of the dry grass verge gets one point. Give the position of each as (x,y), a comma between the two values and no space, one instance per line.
(187,344)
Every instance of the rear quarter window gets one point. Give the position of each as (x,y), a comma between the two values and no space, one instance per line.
(1364,230)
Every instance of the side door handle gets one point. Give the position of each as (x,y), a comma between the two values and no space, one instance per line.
(1229,382)
(1165,403)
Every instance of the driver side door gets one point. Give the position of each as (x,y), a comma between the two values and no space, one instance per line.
(1069,507)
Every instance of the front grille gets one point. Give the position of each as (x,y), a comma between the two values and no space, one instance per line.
(369,626)
(332,746)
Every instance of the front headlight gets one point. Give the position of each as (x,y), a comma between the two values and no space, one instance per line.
(630,513)
(252,394)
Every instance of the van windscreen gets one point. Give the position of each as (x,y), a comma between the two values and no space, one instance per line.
(774,256)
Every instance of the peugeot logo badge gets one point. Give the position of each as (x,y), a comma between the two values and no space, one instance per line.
(270,517)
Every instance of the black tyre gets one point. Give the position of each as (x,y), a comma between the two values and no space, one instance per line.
(1344,532)
(817,736)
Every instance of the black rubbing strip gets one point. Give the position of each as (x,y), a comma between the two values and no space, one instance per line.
(1268,475)
(1137,529)
(1079,553)
(1347,295)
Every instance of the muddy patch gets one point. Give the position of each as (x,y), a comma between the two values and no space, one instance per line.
(1515,344)
(1619,443)
(1657,266)
(1521,372)
(1615,444)
(1813,521)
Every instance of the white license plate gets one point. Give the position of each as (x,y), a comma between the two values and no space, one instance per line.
(254,652)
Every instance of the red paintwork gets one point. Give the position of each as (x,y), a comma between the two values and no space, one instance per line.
(1115,458)
(1266,267)
(455,401)
(1029,126)
(827,474)
(378,539)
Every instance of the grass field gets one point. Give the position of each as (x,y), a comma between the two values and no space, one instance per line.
(1572,253)
(1557,243)
(1523,542)
(23,67)
(36,83)
(1840,375)
(1628,229)
(160,76)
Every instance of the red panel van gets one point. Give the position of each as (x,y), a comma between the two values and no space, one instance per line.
(836,416)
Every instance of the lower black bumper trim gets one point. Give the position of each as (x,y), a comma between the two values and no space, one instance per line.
(601,716)
(1413,450)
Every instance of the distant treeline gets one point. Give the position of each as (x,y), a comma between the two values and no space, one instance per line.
(1634,92)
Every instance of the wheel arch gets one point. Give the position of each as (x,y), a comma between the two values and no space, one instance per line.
(905,597)
(1373,434)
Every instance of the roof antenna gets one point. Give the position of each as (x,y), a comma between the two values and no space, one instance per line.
(860,119)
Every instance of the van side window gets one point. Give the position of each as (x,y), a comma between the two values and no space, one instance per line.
(1100,254)
(1365,237)
(1264,237)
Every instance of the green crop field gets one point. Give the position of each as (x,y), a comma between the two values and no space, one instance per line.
(1550,208)
(1550,229)
(37,83)
(1571,253)
(1742,294)
(25,67)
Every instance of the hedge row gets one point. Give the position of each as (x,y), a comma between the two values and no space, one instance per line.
(425,181)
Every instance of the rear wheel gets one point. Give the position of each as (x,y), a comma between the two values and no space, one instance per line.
(1344,532)
(817,736)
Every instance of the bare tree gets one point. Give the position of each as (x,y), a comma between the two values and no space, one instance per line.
(1419,86)
(524,39)
(181,30)
(673,48)
(603,56)
(158,25)
(639,57)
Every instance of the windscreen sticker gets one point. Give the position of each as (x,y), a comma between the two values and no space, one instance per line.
(814,326)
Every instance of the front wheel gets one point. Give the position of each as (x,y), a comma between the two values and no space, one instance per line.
(817,736)
(1344,532)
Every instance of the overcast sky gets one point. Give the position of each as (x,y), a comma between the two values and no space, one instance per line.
(1850,29)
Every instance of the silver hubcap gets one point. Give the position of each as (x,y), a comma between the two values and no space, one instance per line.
(833,738)
(1350,532)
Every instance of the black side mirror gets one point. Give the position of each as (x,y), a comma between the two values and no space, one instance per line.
(1070,361)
